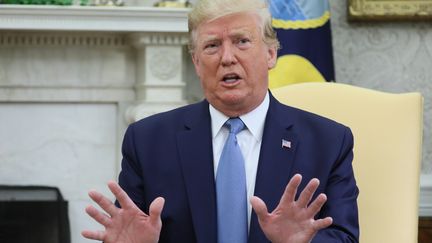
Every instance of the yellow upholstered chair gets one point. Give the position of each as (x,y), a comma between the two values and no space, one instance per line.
(387,132)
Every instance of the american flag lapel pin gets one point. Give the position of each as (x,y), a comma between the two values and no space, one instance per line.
(286,143)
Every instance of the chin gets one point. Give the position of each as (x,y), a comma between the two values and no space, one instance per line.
(233,98)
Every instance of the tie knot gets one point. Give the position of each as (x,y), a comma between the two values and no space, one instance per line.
(235,125)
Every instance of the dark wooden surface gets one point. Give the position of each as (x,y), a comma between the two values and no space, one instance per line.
(425,230)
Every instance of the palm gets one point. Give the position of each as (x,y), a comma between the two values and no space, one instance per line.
(127,224)
(290,225)
(292,221)
(131,226)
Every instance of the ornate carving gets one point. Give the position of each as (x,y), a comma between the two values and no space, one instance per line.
(61,39)
(389,10)
(141,39)
(165,64)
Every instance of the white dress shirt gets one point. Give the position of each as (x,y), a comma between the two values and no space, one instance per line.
(249,140)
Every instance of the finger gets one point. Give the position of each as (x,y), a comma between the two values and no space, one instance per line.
(307,193)
(93,235)
(260,208)
(322,223)
(120,195)
(98,216)
(316,205)
(291,189)
(103,202)
(156,209)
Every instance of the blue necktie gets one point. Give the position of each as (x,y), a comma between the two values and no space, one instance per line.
(231,189)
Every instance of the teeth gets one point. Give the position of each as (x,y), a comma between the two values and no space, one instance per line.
(231,78)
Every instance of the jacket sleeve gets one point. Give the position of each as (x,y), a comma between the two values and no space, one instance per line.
(342,192)
(130,177)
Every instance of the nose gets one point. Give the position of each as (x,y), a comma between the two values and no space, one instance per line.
(228,55)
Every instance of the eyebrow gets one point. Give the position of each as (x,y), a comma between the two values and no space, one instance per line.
(209,38)
(235,34)
(240,33)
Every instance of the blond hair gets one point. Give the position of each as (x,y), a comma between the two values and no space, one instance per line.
(206,10)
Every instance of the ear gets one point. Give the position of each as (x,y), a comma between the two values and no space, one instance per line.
(194,58)
(196,63)
(271,57)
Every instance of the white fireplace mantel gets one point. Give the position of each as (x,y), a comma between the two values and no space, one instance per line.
(71,78)
(156,34)
(88,18)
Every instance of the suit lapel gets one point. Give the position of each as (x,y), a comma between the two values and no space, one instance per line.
(275,162)
(196,156)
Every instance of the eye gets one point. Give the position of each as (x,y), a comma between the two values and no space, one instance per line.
(210,46)
(243,42)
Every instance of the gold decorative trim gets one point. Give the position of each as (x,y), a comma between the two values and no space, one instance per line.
(301,24)
(387,10)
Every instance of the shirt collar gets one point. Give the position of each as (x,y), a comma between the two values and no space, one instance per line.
(254,120)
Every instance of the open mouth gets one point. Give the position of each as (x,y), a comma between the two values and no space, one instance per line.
(231,78)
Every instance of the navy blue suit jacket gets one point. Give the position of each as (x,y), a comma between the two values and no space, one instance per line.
(170,155)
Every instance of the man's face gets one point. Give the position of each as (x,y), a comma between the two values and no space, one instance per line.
(232,62)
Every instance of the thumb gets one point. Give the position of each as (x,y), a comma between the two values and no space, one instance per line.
(156,209)
(259,207)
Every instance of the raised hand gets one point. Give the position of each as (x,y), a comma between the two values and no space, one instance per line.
(127,224)
(292,221)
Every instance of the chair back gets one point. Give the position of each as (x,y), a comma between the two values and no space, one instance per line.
(387,131)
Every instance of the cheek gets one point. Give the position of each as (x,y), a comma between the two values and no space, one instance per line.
(208,72)
(258,74)
(259,68)
(206,81)
(203,68)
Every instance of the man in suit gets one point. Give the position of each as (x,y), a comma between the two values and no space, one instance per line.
(296,165)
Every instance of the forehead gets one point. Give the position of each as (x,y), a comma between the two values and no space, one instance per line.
(233,24)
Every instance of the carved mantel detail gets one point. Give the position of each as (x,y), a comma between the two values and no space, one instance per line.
(160,73)
(154,39)
(24,38)
(165,64)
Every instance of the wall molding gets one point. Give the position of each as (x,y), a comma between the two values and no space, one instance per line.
(90,18)
(425,204)
(141,39)
(9,38)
